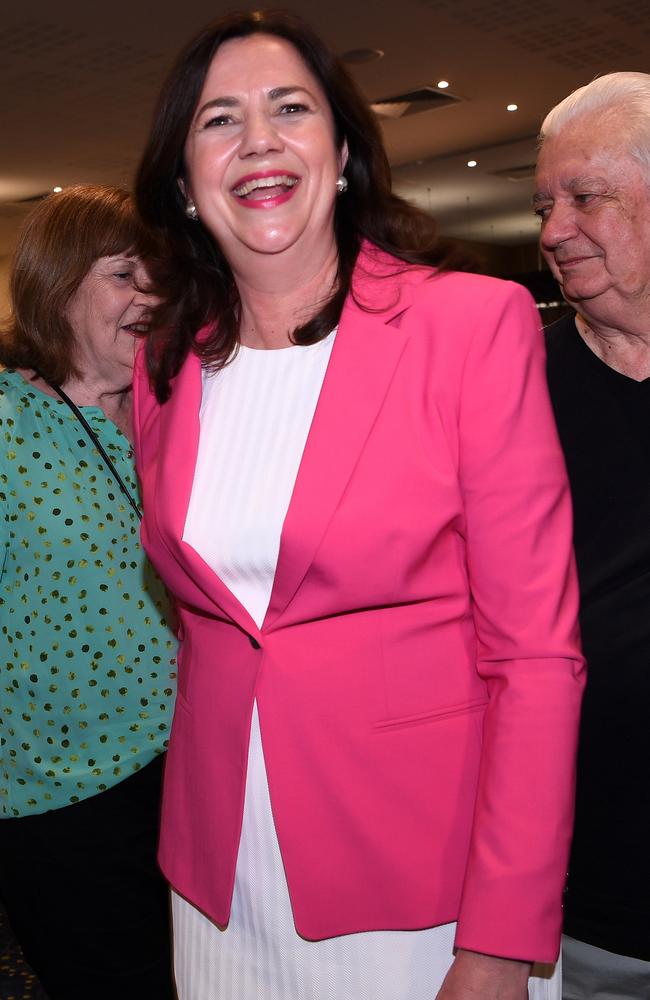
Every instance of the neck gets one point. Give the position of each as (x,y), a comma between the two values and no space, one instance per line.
(115,402)
(625,350)
(278,297)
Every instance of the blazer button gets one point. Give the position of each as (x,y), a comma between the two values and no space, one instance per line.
(254,643)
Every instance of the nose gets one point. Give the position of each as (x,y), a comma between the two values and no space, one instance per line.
(145,290)
(260,136)
(558,226)
(145,296)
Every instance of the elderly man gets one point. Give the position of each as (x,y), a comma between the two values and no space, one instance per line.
(593,198)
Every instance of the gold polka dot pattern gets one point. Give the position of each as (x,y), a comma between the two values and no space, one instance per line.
(87,660)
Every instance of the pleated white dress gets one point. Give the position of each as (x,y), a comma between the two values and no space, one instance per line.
(255,418)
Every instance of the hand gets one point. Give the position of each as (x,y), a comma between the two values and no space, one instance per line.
(474,976)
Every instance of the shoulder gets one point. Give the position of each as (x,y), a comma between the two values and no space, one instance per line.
(14,395)
(471,295)
(566,367)
(22,421)
(383,283)
(22,402)
(463,311)
(10,382)
(561,354)
(556,334)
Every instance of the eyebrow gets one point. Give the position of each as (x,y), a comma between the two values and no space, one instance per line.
(584,180)
(276,94)
(589,180)
(128,260)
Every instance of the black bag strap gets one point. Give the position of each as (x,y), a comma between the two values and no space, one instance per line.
(98,445)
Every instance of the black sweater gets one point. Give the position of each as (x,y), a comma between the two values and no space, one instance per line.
(604,422)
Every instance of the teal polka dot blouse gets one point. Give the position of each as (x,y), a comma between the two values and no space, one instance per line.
(87,660)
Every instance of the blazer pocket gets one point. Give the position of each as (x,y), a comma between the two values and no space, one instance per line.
(439,715)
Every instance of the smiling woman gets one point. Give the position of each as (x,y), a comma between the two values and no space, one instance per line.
(87,659)
(255,107)
(108,314)
(372,750)
(255,146)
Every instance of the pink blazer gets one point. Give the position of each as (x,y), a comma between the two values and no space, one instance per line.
(418,674)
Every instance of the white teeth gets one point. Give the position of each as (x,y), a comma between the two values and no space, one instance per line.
(280,180)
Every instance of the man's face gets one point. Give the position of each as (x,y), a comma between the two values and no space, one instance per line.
(594,202)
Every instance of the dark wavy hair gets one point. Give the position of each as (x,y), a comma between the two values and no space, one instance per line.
(57,245)
(203,291)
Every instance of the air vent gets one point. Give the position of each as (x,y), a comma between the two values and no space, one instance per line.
(17,208)
(412,103)
(525,173)
(33,198)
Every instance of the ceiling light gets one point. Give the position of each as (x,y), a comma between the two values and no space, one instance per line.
(57,189)
(442,84)
(512,107)
(472,163)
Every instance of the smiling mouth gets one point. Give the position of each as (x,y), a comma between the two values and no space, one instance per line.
(571,261)
(259,188)
(137,329)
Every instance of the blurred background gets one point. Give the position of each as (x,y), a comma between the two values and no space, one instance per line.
(461,87)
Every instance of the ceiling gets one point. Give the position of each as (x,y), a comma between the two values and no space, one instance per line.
(78,80)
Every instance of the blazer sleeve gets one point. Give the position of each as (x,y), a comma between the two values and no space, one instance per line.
(525,603)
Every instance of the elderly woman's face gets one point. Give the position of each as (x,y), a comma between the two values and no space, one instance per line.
(108,314)
(261,157)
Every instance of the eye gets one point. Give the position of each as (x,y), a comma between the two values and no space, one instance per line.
(542,211)
(124,275)
(296,107)
(217,121)
(584,197)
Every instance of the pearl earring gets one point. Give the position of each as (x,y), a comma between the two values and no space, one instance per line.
(191,212)
(342,184)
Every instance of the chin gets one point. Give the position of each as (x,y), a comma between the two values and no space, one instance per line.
(272,246)
(580,292)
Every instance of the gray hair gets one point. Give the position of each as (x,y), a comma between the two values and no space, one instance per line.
(629,92)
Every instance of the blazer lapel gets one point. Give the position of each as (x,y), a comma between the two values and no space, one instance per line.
(364,357)
(179,443)
(366,352)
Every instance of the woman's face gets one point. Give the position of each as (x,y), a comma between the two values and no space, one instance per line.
(108,314)
(261,157)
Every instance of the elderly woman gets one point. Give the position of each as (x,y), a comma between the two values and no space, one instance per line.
(87,659)
(353,486)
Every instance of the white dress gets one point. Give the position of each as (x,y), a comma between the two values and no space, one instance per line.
(255,418)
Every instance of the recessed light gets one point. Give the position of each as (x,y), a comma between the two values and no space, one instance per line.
(442,84)
(512,107)
(472,163)
(57,189)
(362,55)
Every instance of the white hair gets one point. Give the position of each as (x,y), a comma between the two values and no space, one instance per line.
(627,92)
